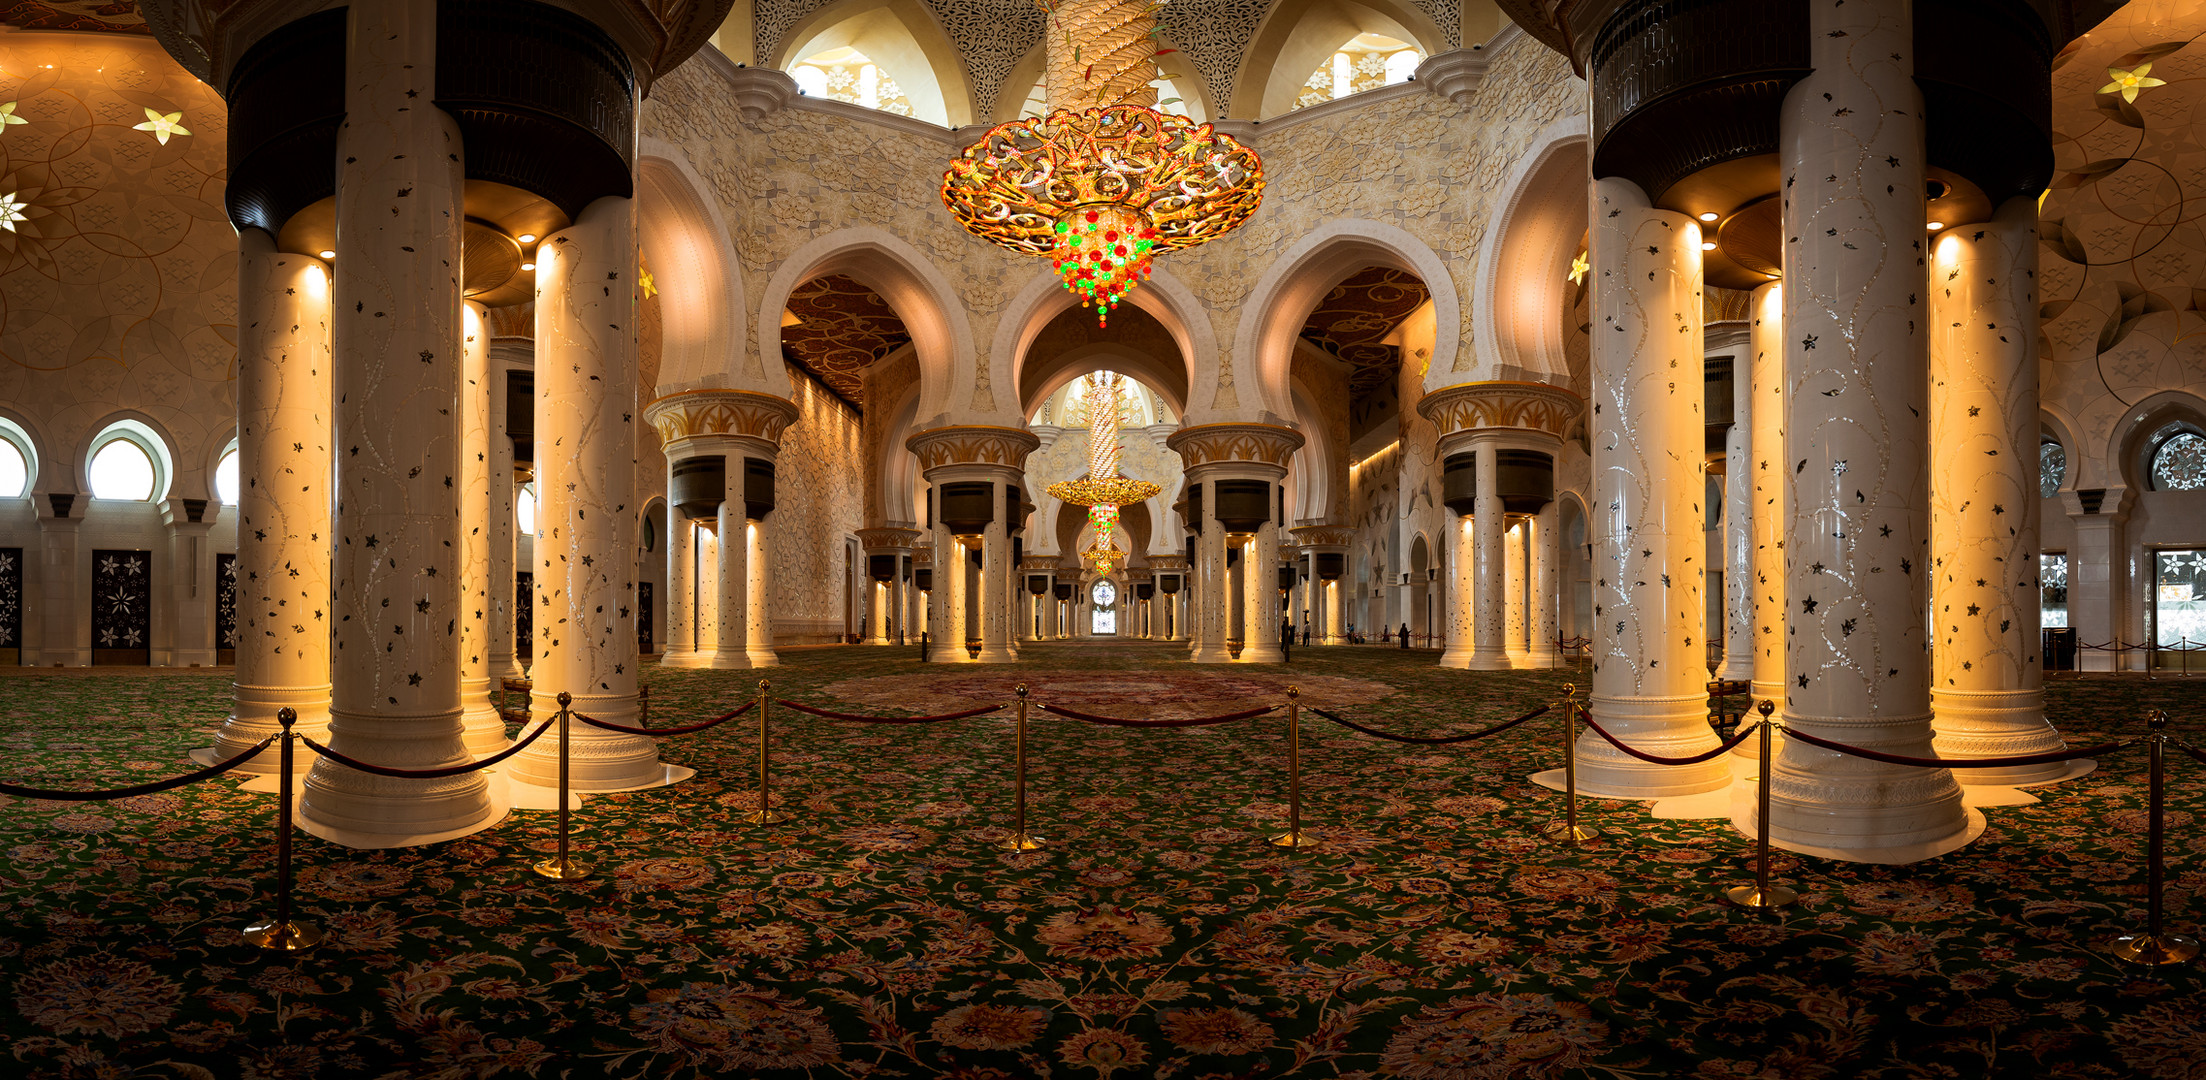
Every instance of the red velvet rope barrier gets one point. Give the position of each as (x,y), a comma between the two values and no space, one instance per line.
(1960,763)
(887,719)
(1721,749)
(429,774)
(71,795)
(1114,721)
(658,731)
(1439,740)
(2196,754)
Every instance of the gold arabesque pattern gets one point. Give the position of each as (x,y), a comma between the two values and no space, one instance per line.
(1354,318)
(842,329)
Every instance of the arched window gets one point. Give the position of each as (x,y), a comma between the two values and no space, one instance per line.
(846,74)
(524,510)
(129,463)
(225,479)
(2052,467)
(17,462)
(2179,461)
(1366,62)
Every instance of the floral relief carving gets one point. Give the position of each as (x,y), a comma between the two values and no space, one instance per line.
(1212,443)
(973,445)
(1473,406)
(720,412)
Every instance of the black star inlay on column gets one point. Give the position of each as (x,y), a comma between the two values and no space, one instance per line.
(1807,606)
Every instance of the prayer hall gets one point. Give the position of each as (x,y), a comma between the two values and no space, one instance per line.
(1102,539)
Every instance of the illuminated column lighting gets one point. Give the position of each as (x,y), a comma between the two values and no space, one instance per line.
(1489,642)
(485,729)
(1516,541)
(681,592)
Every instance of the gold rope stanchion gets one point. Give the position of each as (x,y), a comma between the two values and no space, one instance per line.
(1020,839)
(1762,895)
(1568,830)
(283,933)
(1294,837)
(560,867)
(765,814)
(2155,945)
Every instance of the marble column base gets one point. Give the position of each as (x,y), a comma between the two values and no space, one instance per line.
(482,729)
(1666,727)
(1969,825)
(1489,660)
(724,660)
(682,658)
(361,810)
(1825,801)
(762,658)
(497,804)
(1545,659)
(1996,723)
(1737,669)
(1261,653)
(1211,654)
(998,653)
(1455,656)
(598,760)
(254,719)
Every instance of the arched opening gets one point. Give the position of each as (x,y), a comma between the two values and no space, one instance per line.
(128,461)
(699,281)
(1300,38)
(1365,62)
(18,460)
(1530,288)
(914,68)
(836,272)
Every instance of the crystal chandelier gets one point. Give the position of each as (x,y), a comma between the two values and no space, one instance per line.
(1105,181)
(1103,490)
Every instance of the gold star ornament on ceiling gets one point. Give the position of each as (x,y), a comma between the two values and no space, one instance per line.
(2128,83)
(649,284)
(162,125)
(1578,268)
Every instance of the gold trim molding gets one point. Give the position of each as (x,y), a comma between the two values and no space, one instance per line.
(1327,536)
(1526,406)
(1209,444)
(973,444)
(744,413)
(888,539)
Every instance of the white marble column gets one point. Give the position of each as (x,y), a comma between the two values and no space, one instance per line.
(1517,543)
(395,332)
(1336,606)
(1857,554)
(283,533)
(2098,578)
(1649,653)
(1738,530)
(505,662)
(681,592)
(731,577)
(586,495)
(947,605)
(1212,587)
(759,633)
(995,569)
(877,608)
(1489,568)
(1260,590)
(1546,587)
(1772,515)
(1461,599)
(484,730)
(189,584)
(1987,689)
(706,566)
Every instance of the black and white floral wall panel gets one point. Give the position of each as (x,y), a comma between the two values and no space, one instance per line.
(524,617)
(122,607)
(644,604)
(11,605)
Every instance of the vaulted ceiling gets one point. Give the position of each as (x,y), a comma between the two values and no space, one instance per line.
(1354,319)
(842,329)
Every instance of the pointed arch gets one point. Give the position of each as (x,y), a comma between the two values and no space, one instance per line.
(1296,36)
(911,284)
(1291,287)
(1521,286)
(685,244)
(904,39)
(1164,297)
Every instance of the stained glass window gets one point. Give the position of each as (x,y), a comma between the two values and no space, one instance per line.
(2052,579)
(2052,467)
(2179,596)
(2180,463)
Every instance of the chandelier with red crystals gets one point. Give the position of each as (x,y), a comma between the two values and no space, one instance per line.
(1105,182)
(1103,490)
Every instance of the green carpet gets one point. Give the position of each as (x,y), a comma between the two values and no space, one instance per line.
(881,934)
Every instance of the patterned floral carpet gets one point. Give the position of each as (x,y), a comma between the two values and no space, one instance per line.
(882,934)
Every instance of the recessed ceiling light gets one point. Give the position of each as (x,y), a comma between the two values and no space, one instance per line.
(526,238)
(531,267)
(1937,225)
(1710,216)
(328,254)
(1708,245)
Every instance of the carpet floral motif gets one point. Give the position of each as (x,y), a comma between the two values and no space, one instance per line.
(882,933)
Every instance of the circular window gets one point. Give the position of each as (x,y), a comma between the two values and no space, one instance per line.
(225,479)
(122,470)
(1105,594)
(2052,467)
(2179,463)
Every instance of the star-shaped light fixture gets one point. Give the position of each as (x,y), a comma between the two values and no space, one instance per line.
(162,125)
(1578,268)
(11,211)
(2128,83)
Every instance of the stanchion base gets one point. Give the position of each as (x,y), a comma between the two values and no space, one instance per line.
(765,817)
(1563,830)
(1747,896)
(1020,842)
(290,937)
(563,870)
(1294,839)
(2147,949)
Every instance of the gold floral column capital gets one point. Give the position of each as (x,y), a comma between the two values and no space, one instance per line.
(1329,537)
(732,413)
(973,444)
(888,540)
(1540,407)
(1211,444)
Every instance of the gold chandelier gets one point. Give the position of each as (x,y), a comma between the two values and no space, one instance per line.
(1103,490)
(1105,181)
